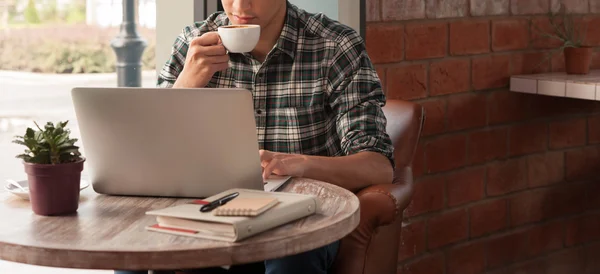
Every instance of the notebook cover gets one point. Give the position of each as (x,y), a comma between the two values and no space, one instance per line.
(291,206)
(246,206)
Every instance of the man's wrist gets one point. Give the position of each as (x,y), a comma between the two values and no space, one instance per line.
(179,82)
(311,166)
(183,81)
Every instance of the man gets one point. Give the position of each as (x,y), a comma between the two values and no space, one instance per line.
(316,95)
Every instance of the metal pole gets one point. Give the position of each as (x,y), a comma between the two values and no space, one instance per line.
(129,47)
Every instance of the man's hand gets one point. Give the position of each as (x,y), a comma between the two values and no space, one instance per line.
(352,172)
(282,164)
(206,55)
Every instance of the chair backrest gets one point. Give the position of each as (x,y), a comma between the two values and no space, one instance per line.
(404,125)
(372,248)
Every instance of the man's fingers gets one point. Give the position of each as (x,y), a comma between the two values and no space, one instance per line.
(207,39)
(265,155)
(268,170)
(264,163)
(221,66)
(217,59)
(218,50)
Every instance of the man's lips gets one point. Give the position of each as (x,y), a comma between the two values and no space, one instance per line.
(243,19)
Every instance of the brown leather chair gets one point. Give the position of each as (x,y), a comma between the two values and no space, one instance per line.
(373,247)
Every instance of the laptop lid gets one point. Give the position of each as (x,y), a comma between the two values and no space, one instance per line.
(168,142)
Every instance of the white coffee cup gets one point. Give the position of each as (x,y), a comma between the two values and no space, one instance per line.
(239,38)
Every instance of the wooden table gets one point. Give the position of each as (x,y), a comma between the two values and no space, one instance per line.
(108,233)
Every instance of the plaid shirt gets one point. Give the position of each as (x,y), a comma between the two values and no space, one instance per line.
(317,92)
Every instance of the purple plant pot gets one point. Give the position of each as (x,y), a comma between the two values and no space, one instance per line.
(54,189)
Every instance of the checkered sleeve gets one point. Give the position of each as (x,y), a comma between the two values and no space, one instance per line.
(357,98)
(174,65)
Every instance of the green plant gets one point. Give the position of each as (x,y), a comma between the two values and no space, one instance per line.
(50,145)
(66,48)
(76,12)
(31,13)
(49,12)
(564,29)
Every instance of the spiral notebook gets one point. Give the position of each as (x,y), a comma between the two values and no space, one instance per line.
(246,207)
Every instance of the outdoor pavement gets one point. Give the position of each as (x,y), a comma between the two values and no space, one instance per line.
(27,97)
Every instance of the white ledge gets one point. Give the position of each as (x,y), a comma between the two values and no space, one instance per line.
(559,84)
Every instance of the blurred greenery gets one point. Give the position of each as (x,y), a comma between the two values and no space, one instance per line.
(31,14)
(49,12)
(41,37)
(76,12)
(66,49)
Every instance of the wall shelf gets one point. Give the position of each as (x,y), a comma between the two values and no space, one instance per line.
(559,84)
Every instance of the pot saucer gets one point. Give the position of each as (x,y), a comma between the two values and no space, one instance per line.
(25,184)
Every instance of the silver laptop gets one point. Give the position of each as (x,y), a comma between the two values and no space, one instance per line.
(169,142)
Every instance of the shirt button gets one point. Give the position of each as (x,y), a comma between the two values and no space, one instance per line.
(258,111)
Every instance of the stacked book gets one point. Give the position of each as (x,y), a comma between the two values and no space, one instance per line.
(245,213)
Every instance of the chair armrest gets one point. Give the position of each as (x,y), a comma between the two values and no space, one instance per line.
(380,205)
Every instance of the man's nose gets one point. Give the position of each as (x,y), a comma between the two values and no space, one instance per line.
(242,5)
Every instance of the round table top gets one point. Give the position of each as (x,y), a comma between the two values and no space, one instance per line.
(108,232)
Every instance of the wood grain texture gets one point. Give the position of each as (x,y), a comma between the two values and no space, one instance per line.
(108,232)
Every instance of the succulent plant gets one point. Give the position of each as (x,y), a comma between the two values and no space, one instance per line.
(50,145)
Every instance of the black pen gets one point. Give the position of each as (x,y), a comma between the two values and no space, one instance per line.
(219,202)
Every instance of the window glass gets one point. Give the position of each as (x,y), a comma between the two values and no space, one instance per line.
(47,47)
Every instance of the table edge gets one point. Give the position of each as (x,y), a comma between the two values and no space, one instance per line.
(163,259)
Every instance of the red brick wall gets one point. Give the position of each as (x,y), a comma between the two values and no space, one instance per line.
(504,181)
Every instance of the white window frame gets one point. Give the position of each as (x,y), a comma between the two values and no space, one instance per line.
(172,16)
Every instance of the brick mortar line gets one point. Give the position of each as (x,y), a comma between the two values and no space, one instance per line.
(445,263)
(507,196)
(508,215)
(404,42)
(468,212)
(514,157)
(448,40)
(541,256)
(587,128)
(380,10)
(446,120)
(550,119)
(469,18)
(500,17)
(564,233)
(549,141)
(427,78)
(487,237)
(432,138)
(447,95)
(470,56)
(564,164)
(517,157)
